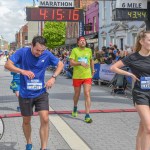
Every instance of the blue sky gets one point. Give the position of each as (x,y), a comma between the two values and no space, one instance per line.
(12,15)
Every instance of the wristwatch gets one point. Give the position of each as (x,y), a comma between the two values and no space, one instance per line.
(54,76)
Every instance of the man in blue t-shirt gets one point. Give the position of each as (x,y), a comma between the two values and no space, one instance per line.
(33,63)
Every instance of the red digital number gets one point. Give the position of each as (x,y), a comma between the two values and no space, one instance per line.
(43,13)
(70,14)
(59,14)
(75,15)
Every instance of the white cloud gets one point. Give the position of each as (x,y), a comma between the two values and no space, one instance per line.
(12,17)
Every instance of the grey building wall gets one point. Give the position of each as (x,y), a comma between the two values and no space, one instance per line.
(121,33)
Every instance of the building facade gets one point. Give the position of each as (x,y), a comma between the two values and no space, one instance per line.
(92,25)
(75,29)
(72,32)
(121,33)
(22,36)
(4,45)
(26,33)
(33,30)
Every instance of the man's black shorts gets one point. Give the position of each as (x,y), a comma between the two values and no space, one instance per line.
(26,104)
(141,97)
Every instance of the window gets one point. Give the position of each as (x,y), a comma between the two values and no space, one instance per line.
(121,43)
(88,23)
(94,26)
(72,28)
(112,39)
(134,36)
(26,37)
(104,41)
(75,30)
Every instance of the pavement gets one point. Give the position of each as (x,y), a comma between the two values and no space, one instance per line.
(114,126)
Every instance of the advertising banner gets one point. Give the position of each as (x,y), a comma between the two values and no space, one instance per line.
(105,73)
(81,28)
(97,69)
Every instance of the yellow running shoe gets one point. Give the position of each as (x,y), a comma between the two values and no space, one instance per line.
(88,120)
(74,114)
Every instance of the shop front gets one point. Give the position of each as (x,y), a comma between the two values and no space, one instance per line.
(92,40)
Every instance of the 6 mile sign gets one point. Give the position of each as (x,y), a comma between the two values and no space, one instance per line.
(130,10)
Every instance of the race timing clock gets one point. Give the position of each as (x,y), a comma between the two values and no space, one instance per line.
(120,14)
(53,14)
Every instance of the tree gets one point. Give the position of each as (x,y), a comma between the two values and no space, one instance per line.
(55,33)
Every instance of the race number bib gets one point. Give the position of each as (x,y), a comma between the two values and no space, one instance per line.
(145,83)
(83,59)
(34,84)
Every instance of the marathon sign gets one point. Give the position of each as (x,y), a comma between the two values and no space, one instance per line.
(57,3)
(134,4)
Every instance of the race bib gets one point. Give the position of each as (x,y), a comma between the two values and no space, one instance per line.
(145,83)
(83,59)
(34,84)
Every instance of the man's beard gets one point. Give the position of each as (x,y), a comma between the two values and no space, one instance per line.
(82,46)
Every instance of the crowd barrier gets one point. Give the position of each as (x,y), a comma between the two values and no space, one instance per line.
(103,73)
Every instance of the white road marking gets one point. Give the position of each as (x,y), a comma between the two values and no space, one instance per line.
(1,128)
(73,140)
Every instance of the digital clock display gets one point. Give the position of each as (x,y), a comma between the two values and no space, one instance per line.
(120,14)
(53,14)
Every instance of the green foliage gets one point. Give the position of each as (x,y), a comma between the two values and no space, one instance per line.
(55,33)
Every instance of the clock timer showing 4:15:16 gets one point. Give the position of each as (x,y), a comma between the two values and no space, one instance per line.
(54,14)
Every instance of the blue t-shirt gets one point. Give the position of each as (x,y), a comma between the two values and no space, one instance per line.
(27,61)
